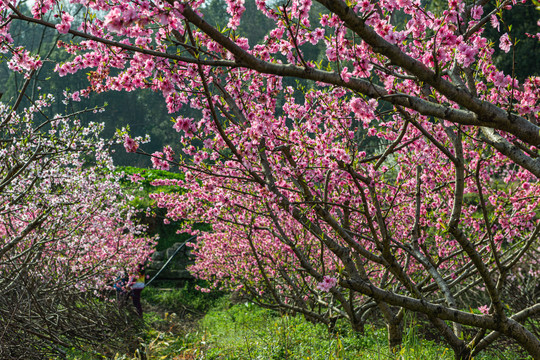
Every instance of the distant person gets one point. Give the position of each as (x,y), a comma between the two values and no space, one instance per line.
(122,291)
(136,290)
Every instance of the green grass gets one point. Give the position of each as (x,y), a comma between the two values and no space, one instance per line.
(249,332)
(246,331)
(183,298)
(177,330)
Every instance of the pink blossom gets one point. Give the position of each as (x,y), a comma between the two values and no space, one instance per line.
(495,22)
(113,20)
(169,153)
(467,54)
(327,284)
(135,178)
(130,144)
(183,123)
(357,105)
(500,80)
(476,12)
(345,75)
(62,28)
(484,309)
(66,17)
(505,43)
(24,60)
(61,70)
(159,162)
(318,34)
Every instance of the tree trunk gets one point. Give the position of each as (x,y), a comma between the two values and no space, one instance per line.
(463,353)
(358,327)
(395,335)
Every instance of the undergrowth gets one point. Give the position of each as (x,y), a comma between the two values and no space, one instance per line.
(183,324)
(246,331)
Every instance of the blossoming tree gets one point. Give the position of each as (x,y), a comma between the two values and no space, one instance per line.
(66,230)
(400,172)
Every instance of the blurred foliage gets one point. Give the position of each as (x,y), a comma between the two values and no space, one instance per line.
(151,215)
(518,22)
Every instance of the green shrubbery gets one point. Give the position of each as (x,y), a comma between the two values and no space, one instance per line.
(185,298)
(141,188)
(151,215)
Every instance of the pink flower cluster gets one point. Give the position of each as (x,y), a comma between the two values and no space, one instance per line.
(136,178)
(65,25)
(159,161)
(117,19)
(24,61)
(327,284)
(484,309)
(86,231)
(505,43)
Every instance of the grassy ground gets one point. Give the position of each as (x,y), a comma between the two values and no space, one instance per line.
(182,324)
(245,331)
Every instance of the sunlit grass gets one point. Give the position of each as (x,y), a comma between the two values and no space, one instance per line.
(246,331)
